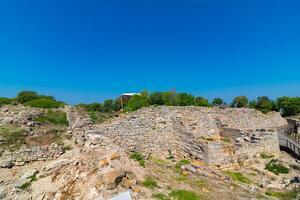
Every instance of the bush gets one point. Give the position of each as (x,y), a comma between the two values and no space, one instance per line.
(44,103)
(5,101)
(156,98)
(184,195)
(51,117)
(149,182)
(136,102)
(25,96)
(276,168)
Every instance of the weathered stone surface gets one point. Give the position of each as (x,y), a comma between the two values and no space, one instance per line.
(29,174)
(194,132)
(56,164)
(27,155)
(111,178)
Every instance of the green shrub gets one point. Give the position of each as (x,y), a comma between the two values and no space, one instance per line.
(201,101)
(138,157)
(44,103)
(5,101)
(184,195)
(238,177)
(276,168)
(14,138)
(149,182)
(51,117)
(136,102)
(180,163)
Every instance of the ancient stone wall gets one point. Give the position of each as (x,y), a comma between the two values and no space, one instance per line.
(26,155)
(196,132)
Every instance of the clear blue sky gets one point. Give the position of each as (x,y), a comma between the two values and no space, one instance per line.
(86,51)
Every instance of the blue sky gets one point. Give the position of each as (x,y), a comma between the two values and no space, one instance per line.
(86,51)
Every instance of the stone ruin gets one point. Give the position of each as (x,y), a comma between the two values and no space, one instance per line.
(214,135)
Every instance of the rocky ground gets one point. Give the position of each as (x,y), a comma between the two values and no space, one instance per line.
(84,160)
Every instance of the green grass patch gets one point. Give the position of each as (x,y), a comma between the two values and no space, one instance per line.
(149,182)
(277,168)
(53,117)
(266,156)
(161,196)
(14,137)
(184,195)
(181,163)
(238,177)
(139,158)
(290,195)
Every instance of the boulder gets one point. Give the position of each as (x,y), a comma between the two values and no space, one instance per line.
(110,179)
(29,174)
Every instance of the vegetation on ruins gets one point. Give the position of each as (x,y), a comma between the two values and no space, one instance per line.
(149,182)
(276,167)
(139,158)
(53,117)
(237,176)
(288,106)
(178,195)
(289,195)
(14,137)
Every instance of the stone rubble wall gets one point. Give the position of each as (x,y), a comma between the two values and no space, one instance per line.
(187,132)
(27,155)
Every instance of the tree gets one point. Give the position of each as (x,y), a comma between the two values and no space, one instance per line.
(288,106)
(25,96)
(252,104)
(156,98)
(136,102)
(170,98)
(239,102)
(184,99)
(264,104)
(201,101)
(94,107)
(217,102)
(108,106)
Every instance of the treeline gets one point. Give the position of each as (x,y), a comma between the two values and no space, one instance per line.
(32,99)
(288,106)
